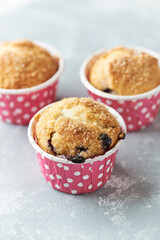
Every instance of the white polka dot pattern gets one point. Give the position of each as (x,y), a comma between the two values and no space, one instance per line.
(26,116)
(86,177)
(58,176)
(18,121)
(34,96)
(108,162)
(80,184)
(90,186)
(130,126)
(27,104)
(75,179)
(20,108)
(8,120)
(73,191)
(11,104)
(20,99)
(34,109)
(120,110)
(42,104)
(142,111)
(99,184)
(5,113)
(51,176)
(101,167)
(108,169)
(57,186)
(2,104)
(45,94)
(108,102)
(69,180)
(46,166)
(66,185)
(59,165)
(100,175)
(66,168)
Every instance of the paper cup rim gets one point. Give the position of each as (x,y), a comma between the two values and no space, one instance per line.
(65,161)
(96,91)
(54,52)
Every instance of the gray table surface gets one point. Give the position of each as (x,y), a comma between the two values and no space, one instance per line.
(128,206)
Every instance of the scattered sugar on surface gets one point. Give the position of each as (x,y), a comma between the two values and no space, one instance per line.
(125,193)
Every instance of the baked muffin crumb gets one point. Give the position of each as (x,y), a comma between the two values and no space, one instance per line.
(24,64)
(77,129)
(124,71)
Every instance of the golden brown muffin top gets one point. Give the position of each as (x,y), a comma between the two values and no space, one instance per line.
(77,129)
(124,71)
(24,64)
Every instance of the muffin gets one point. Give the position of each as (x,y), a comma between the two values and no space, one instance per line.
(77,129)
(124,71)
(24,64)
(29,76)
(127,80)
(67,137)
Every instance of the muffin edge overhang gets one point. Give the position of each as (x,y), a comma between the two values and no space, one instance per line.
(63,160)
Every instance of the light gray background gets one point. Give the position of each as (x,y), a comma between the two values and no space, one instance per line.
(126,208)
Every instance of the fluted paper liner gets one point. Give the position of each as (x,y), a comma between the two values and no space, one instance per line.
(73,178)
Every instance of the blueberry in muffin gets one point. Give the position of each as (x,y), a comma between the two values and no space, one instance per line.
(77,129)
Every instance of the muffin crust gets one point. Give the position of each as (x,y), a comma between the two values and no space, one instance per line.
(77,129)
(124,71)
(24,64)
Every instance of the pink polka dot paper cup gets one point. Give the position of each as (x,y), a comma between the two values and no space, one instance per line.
(138,111)
(18,106)
(66,176)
